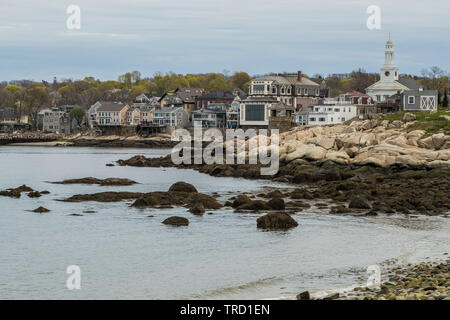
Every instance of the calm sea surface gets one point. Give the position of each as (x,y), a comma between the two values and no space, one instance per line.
(124,254)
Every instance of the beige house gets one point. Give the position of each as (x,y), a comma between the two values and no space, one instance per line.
(112,114)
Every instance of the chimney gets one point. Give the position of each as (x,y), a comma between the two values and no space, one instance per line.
(299,75)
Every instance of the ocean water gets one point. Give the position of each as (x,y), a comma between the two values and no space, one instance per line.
(124,254)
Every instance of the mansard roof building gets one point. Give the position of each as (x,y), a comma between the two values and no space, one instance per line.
(292,89)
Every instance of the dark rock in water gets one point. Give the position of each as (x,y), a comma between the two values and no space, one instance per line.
(117,182)
(24,188)
(15,192)
(10,193)
(176,221)
(276,221)
(302,194)
(89,211)
(277,204)
(75,215)
(45,192)
(198,209)
(210,213)
(359,203)
(182,187)
(110,165)
(332,296)
(255,205)
(34,194)
(41,210)
(339,210)
(228,204)
(304,296)
(207,201)
(240,200)
(104,197)
(102,182)
(274,194)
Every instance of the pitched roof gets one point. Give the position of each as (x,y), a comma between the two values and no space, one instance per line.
(410,83)
(218,95)
(291,79)
(189,94)
(110,106)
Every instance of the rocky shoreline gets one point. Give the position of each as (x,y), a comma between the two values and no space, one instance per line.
(423,281)
(86,140)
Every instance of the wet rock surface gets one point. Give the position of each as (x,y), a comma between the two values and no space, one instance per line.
(16,192)
(276,221)
(41,210)
(176,221)
(425,281)
(396,189)
(101,182)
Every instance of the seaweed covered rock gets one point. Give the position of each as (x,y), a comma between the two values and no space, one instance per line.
(240,200)
(276,221)
(277,204)
(176,221)
(181,186)
(198,209)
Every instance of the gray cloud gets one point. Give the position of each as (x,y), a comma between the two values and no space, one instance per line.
(322,36)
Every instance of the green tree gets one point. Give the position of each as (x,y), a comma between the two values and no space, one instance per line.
(240,79)
(78,114)
(35,99)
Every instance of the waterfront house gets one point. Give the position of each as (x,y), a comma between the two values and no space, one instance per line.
(213,116)
(420,100)
(92,112)
(256,111)
(291,89)
(232,113)
(214,97)
(280,116)
(111,114)
(170,117)
(365,104)
(325,114)
(182,97)
(55,121)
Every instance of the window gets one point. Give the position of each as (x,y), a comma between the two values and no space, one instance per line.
(322,119)
(305,91)
(274,90)
(336,110)
(411,99)
(312,119)
(254,112)
(258,88)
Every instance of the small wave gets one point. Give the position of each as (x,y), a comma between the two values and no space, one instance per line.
(231,290)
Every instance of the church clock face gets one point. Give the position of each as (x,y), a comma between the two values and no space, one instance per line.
(387,73)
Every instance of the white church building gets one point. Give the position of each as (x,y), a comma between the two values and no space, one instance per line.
(390,82)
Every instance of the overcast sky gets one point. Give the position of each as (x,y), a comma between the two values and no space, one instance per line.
(199,36)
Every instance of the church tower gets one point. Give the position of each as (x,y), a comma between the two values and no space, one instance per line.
(389,71)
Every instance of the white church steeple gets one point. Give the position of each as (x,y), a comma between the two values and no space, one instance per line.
(389,71)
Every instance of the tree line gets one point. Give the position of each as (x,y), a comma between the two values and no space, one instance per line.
(29,97)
